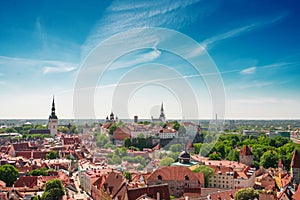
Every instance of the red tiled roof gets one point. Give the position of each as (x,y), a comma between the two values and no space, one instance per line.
(120,134)
(229,194)
(177,173)
(296,160)
(21,146)
(192,192)
(297,193)
(113,183)
(28,181)
(24,154)
(39,154)
(150,191)
(157,147)
(246,151)
(106,126)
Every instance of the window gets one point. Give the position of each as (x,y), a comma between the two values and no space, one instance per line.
(159,178)
(186,178)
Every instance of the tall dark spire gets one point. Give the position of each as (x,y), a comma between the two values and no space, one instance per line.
(53,115)
(162,114)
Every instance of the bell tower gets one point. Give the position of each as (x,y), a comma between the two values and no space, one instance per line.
(162,116)
(53,121)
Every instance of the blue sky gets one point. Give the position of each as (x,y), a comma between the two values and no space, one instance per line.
(254,44)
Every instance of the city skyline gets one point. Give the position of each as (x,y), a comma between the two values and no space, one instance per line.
(253,44)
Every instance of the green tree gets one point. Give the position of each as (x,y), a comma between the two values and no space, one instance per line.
(112,128)
(54,190)
(127,142)
(176,148)
(8,174)
(269,159)
(51,155)
(246,194)
(39,172)
(127,175)
(220,149)
(174,155)
(176,126)
(166,161)
(207,171)
(214,156)
(102,140)
(197,147)
(141,141)
(116,159)
(233,155)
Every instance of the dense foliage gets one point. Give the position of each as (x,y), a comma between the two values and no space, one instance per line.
(228,145)
(246,193)
(207,171)
(52,155)
(8,174)
(54,190)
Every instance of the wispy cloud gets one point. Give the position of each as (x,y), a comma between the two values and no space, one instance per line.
(46,66)
(48,70)
(241,30)
(264,100)
(250,70)
(121,16)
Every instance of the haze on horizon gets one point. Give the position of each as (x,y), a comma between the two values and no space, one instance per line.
(255,46)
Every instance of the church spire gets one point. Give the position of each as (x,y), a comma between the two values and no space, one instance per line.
(162,107)
(53,115)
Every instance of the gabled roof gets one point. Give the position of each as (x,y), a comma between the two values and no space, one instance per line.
(120,134)
(39,154)
(21,146)
(228,194)
(113,183)
(246,151)
(150,191)
(175,173)
(295,163)
(28,181)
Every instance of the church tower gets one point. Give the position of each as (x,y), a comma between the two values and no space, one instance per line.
(53,121)
(162,116)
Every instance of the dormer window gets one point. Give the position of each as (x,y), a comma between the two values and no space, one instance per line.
(159,178)
(186,178)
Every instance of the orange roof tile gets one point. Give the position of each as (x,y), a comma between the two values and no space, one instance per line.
(246,151)
(295,163)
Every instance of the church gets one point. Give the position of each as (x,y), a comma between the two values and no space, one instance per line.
(53,121)
(52,124)
(162,117)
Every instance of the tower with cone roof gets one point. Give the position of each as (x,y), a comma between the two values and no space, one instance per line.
(162,116)
(53,121)
(246,156)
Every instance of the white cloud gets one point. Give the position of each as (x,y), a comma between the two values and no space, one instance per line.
(47,69)
(241,30)
(263,100)
(122,16)
(46,66)
(250,70)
